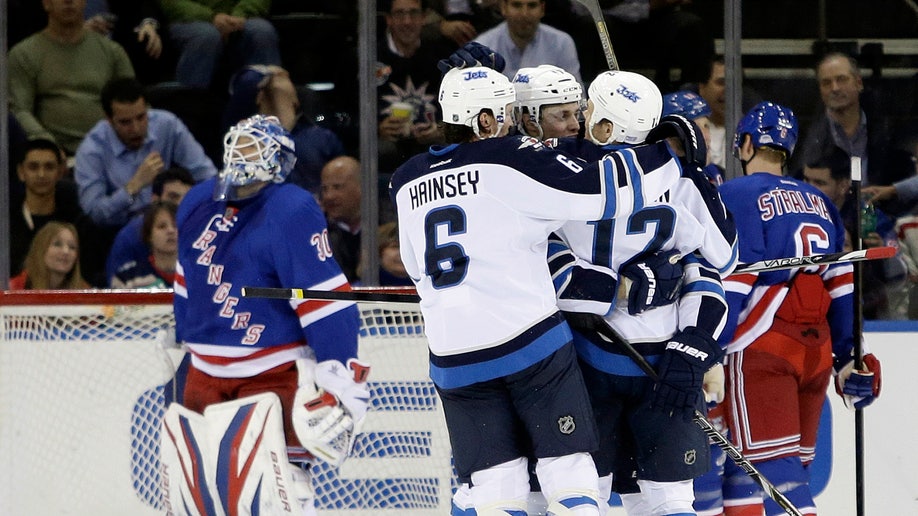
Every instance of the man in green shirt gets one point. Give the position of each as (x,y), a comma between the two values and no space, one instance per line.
(56,76)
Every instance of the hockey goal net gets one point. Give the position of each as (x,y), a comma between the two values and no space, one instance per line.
(84,385)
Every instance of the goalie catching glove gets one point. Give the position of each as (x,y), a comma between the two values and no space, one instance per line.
(683,131)
(330,406)
(689,354)
(858,388)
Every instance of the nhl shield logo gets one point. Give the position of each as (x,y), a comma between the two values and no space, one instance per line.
(689,457)
(566,425)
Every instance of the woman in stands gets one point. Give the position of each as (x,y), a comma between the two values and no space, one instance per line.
(160,234)
(53,261)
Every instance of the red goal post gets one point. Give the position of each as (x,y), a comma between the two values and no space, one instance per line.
(84,385)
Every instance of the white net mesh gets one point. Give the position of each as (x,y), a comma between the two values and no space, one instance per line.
(83,388)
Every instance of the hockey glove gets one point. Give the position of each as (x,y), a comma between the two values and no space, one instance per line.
(688,356)
(329,407)
(683,131)
(472,54)
(858,388)
(652,281)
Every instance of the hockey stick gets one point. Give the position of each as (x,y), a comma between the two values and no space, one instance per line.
(875,253)
(377,295)
(857,330)
(408,294)
(596,13)
(610,335)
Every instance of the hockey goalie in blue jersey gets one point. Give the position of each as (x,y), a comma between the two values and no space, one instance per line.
(646,428)
(248,227)
(474,219)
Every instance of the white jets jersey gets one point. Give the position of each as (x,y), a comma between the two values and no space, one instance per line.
(690,218)
(473,225)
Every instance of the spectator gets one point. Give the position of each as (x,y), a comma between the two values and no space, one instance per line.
(407,111)
(525,41)
(134,24)
(204,31)
(156,270)
(46,196)
(882,281)
(119,158)
(268,90)
(53,261)
(129,247)
(57,74)
(852,122)
(713,88)
(341,194)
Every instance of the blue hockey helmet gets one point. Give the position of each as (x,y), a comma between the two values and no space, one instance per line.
(769,125)
(686,103)
(257,149)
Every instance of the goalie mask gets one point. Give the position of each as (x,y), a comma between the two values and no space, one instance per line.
(257,149)
(630,101)
(769,125)
(465,92)
(541,86)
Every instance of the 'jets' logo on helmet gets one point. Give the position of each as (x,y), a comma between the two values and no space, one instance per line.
(477,74)
(628,94)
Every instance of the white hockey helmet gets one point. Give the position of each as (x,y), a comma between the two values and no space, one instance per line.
(630,101)
(256,149)
(464,92)
(543,85)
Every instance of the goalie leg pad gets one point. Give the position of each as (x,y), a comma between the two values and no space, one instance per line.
(230,460)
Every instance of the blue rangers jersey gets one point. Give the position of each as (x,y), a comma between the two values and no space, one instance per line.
(779,217)
(474,220)
(277,238)
(690,218)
